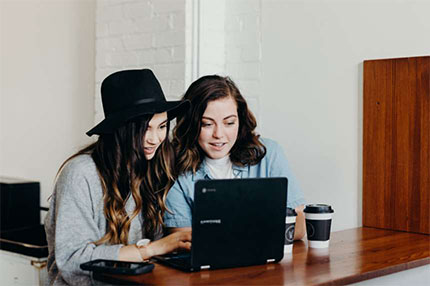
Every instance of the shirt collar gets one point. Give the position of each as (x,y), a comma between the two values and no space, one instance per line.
(238,171)
(203,173)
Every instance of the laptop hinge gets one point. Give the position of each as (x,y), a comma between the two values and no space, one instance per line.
(205,267)
(270,260)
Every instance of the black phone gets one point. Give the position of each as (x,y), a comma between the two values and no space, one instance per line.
(117,267)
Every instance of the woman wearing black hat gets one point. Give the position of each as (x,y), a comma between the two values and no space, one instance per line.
(108,200)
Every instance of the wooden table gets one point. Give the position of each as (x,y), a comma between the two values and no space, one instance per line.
(354,255)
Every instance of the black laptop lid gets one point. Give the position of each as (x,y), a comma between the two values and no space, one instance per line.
(238,222)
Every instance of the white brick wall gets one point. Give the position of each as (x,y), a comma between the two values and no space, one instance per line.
(142,34)
(181,40)
(243,49)
(230,44)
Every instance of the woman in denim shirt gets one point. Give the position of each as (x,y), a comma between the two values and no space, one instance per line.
(216,140)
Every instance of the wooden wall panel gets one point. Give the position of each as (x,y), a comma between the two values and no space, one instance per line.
(396,131)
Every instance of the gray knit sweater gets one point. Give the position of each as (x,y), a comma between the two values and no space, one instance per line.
(76,220)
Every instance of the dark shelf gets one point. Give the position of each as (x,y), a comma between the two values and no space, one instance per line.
(30,241)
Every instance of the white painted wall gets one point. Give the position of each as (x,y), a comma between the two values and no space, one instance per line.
(211,51)
(312,82)
(46,85)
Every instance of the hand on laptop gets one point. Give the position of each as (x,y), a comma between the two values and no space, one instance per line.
(300,230)
(176,241)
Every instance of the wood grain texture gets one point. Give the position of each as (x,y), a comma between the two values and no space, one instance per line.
(354,255)
(396,157)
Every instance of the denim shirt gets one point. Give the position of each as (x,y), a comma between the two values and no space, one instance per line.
(180,199)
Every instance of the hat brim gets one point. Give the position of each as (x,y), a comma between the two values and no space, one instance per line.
(114,121)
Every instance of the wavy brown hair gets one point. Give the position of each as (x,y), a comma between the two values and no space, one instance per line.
(124,172)
(247,150)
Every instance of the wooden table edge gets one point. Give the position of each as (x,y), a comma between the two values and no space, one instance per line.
(379,272)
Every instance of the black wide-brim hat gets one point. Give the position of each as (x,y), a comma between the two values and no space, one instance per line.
(129,94)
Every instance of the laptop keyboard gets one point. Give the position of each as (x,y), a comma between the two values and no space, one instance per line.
(182,255)
(185,261)
(180,259)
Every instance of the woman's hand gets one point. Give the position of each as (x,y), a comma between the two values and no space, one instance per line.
(300,228)
(176,241)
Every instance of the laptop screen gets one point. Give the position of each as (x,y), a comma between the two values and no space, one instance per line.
(238,222)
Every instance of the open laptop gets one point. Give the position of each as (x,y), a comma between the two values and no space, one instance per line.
(236,222)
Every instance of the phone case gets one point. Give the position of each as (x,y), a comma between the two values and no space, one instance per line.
(117,267)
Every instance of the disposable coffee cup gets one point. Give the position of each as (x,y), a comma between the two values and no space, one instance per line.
(290,225)
(318,224)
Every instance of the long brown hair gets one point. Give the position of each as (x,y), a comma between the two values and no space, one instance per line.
(124,172)
(247,150)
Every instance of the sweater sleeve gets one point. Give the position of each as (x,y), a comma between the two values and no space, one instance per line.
(76,196)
